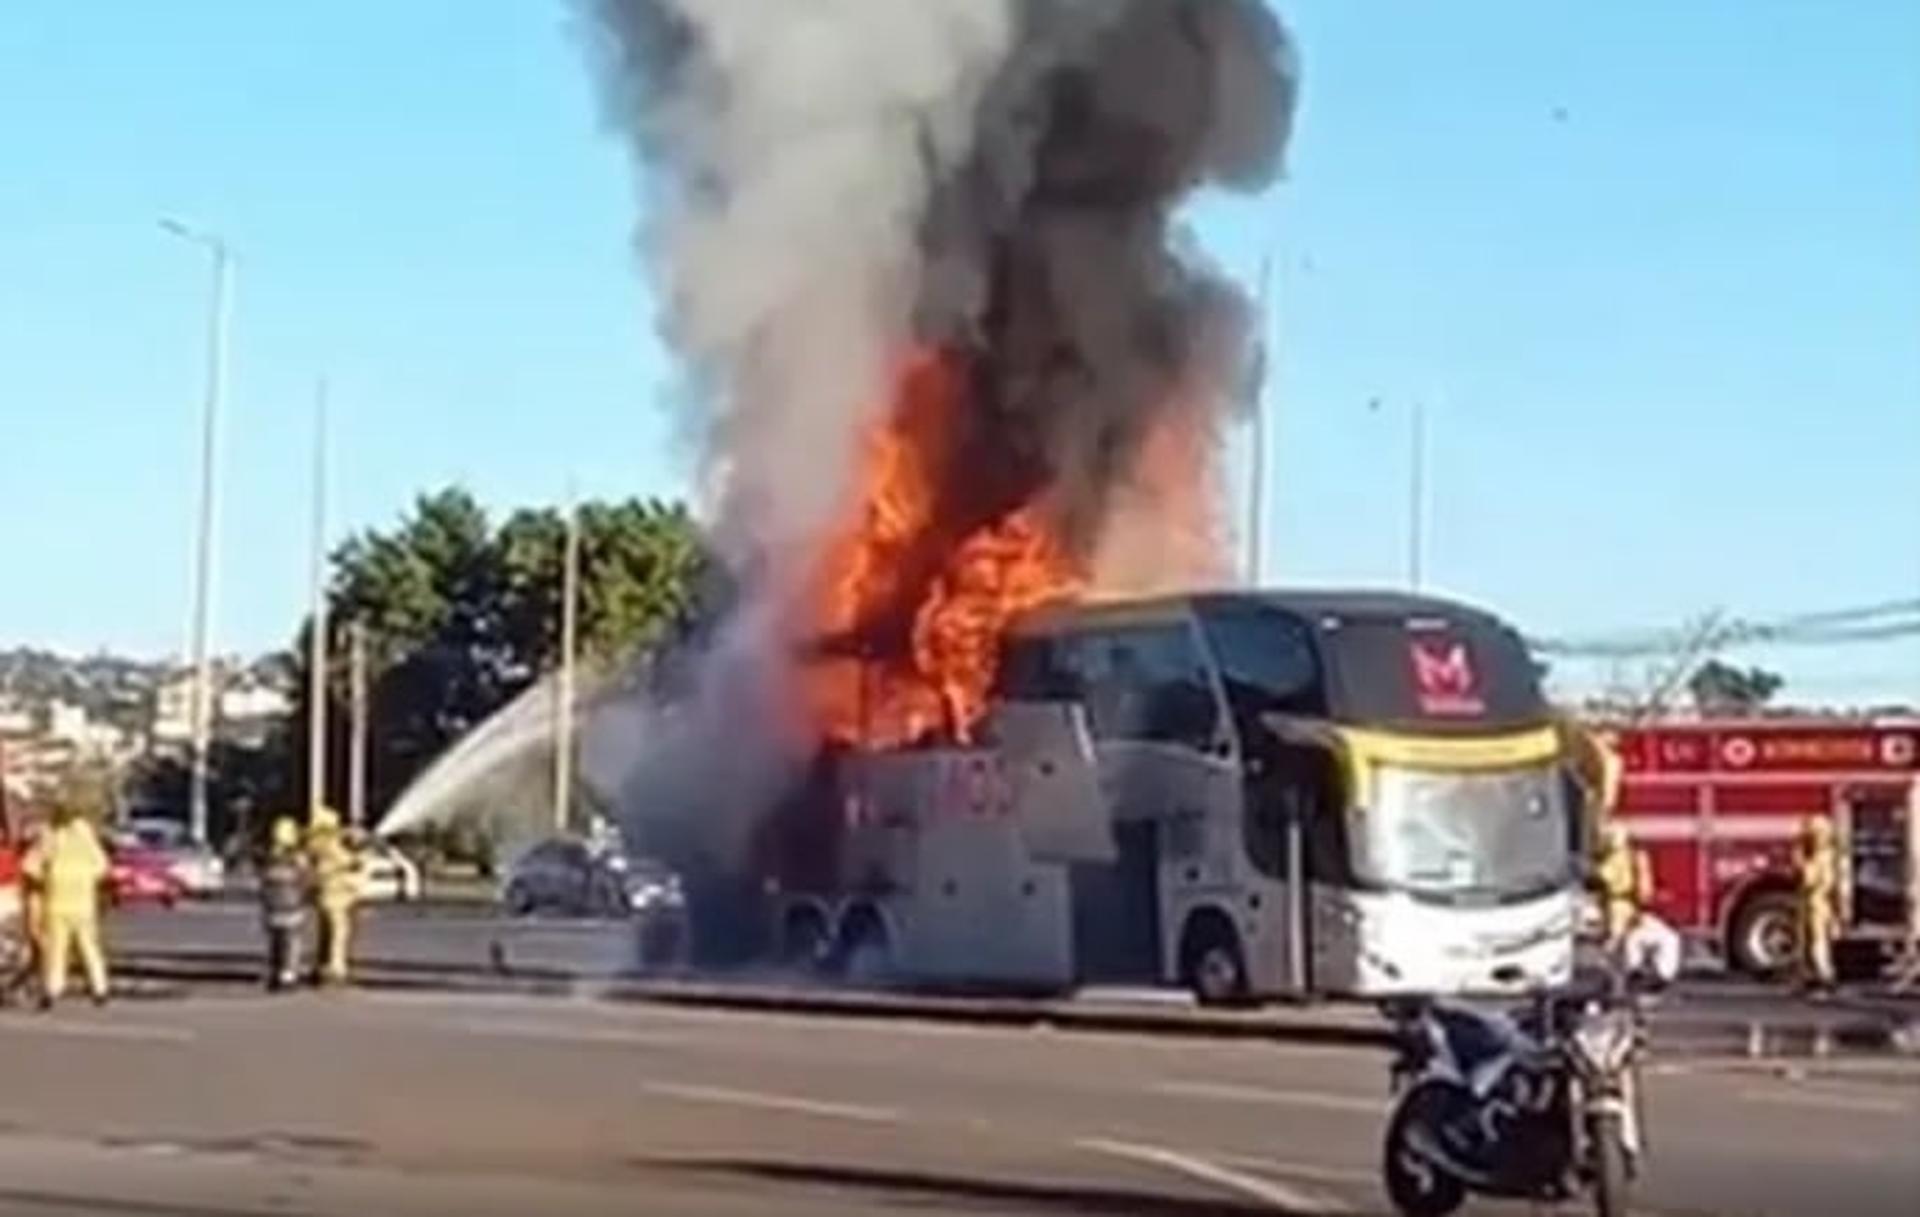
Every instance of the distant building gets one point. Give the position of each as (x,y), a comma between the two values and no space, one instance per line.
(15,719)
(251,711)
(173,702)
(248,703)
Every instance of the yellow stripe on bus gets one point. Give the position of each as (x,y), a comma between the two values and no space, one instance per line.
(1366,748)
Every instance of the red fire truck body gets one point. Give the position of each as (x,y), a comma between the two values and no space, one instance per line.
(1717,806)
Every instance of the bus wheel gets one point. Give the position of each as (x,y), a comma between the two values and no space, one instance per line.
(1211,963)
(864,957)
(803,939)
(1764,938)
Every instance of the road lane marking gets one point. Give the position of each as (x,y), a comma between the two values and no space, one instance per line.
(1279,1196)
(135,1032)
(1828,1101)
(774,1102)
(1308,1171)
(1229,1093)
(557,1034)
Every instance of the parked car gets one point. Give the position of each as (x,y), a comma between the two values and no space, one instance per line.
(388,874)
(201,872)
(137,873)
(572,878)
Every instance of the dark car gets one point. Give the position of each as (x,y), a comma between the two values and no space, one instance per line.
(572,878)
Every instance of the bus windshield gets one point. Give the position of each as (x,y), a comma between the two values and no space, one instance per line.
(1494,836)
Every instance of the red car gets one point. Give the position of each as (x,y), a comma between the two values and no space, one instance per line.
(138,874)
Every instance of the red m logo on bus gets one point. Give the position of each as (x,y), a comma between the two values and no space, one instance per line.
(1443,676)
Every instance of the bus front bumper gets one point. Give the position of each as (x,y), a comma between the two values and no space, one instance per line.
(1400,946)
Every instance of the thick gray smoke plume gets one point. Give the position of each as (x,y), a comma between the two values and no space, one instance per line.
(830,184)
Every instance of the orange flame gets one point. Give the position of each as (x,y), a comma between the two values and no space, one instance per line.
(922,613)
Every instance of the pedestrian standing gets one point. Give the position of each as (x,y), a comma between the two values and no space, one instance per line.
(67,864)
(285,893)
(336,879)
(1817,868)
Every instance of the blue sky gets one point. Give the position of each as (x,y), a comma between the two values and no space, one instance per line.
(1654,267)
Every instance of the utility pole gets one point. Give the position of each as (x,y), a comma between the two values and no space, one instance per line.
(1257,473)
(317,642)
(219,314)
(357,748)
(563,695)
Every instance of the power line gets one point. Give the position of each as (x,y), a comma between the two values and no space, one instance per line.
(1881,622)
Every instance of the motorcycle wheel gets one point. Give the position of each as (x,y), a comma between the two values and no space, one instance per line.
(1417,1187)
(1608,1146)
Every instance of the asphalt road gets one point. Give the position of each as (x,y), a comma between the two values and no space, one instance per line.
(226,1103)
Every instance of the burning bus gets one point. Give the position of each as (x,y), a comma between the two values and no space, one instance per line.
(963,376)
(1245,794)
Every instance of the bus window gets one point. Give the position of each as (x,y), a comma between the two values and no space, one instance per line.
(1462,674)
(1267,662)
(1033,670)
(1147,684)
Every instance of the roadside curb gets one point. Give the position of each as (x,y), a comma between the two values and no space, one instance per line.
(1349,1026)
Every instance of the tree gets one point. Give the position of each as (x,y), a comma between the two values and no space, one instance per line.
(1719,688)
(88,790)
(247,784)
(461,617)
(639,566)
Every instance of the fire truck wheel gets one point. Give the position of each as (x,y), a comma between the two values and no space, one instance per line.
(1764,938)
(1211,963)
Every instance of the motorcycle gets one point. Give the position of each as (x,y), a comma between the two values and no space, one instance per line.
(1537,1104)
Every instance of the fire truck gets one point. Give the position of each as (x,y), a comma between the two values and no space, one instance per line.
(1718,806)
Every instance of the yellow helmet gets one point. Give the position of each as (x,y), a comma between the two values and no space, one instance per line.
(325,820)
(286,833)
(1817,829)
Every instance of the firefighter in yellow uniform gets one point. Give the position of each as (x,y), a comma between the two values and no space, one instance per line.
(66,867)
(336,877)
(1625,880)
(1817,868)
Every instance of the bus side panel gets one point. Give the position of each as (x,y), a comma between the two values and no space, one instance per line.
(982,912)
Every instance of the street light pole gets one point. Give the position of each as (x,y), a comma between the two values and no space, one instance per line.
(218,318)
(564,695)
(357,747)
(317,641)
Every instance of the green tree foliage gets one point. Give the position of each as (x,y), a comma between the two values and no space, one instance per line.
(461,615)
(1720,688)
(247,784)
